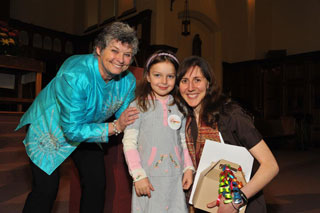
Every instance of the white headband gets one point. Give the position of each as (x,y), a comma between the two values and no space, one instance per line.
(160,54)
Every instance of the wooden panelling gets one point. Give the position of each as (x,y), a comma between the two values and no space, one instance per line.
(275,88)
(18,66)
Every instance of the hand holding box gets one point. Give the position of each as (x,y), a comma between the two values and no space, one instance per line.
(211,185)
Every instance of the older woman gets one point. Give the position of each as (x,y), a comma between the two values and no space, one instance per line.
(209,112)
(68,118)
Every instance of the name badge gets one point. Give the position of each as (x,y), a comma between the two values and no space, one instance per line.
(174,121)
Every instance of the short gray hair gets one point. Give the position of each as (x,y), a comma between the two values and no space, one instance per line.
(117,31)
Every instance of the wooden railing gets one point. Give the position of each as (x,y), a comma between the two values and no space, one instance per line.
(18,66)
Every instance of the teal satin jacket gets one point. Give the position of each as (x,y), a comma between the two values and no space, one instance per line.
(73,108)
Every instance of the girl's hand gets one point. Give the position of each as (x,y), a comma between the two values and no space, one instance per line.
(143,187)
(127,117)
(187,179)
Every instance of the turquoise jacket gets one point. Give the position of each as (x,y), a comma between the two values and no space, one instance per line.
(73,108)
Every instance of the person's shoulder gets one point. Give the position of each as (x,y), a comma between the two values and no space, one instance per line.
(78,60)
(78,64)
(234,109)
(231,106)
(174,105)
(134,103)
(125,80)
(78,69)
(128,76)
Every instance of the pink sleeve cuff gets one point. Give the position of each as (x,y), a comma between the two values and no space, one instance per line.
(133,159)
(187,158)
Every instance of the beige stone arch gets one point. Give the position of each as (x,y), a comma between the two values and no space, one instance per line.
(211,40)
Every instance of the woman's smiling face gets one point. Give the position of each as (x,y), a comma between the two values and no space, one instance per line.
(193,87)
(114,59)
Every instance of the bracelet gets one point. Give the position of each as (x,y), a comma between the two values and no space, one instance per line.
(235,207)
(115,130)
(244,198)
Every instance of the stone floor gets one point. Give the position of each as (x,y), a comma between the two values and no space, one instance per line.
(297,187)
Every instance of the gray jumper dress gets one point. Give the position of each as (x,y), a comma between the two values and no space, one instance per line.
(154,147)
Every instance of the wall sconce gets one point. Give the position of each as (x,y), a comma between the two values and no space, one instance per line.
(186,20)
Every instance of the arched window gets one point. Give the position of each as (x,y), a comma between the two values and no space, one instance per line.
(37,40)
(47,43)
(57,45)
(69,48)
(24,38)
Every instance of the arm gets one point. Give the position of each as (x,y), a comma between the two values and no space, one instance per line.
(267,170)
(252,140)
(187,159)
(249,137)
(187,179)
(186,156)
(188,166)
(132,156)
(72,97)
(71,93)
(126,116)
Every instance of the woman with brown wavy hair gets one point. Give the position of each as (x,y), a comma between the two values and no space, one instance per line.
(209,112)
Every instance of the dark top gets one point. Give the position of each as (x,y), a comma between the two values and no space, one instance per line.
(237,128)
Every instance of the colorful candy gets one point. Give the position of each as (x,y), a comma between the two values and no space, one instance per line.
(229,186)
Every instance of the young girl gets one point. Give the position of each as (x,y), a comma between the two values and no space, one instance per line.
(154,145)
